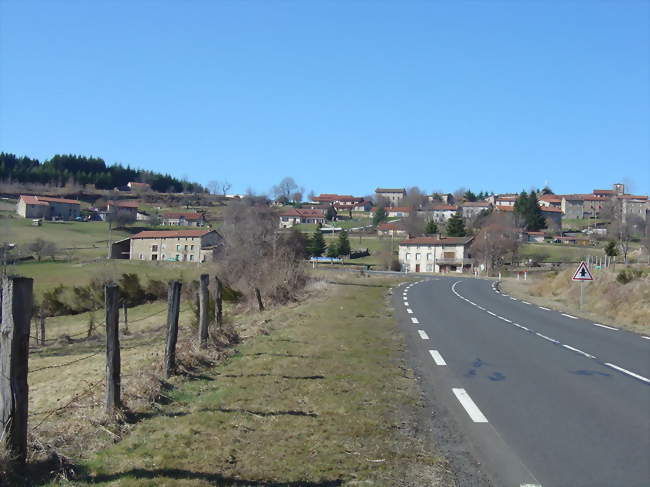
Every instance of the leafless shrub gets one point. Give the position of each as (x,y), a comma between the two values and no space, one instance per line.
(497,239)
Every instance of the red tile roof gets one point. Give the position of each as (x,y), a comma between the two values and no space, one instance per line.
(583,197)
(399,208)
(551,198)
(389,226)
(171,233)
(36,200)
(480,204)
(33,200)
(444,208)
(632,197)
(505,208)
(550,209)
(303,212)
(604,192)
(390,190)
(436,241)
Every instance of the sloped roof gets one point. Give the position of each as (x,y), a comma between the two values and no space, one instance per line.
(40,200)
(505,208)
(171,233)
(550,209)
(390,190)
(123,203)
(437,241)
(479,204)
(190,215)
(444,208)
(33,200)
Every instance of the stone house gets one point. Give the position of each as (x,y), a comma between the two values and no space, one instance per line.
(183,219)
(47,207)
(294,216)
(391,230)
(169,245)
(441,213)
(393,196)
(471,209)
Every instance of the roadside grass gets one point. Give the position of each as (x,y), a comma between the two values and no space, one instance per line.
(606,300)
(318,396)
(48,275)
(548,252)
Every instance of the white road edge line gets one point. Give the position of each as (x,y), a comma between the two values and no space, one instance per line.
(621,369)
(423,334)
(542,307)
(605,326)
(647,338)
(578,351)
(415,321)
(409,311)
(569,316)
(470,406)
(525,302)
(437,358)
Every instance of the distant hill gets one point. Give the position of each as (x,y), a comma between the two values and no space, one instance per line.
(82,170)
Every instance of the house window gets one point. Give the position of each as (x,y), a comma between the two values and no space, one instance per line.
(178,257)
(408,256)
(154,248)
(191,256)
(417,256)
(178,247)
(191,247)
(141,256)
(429,267)
(186,248)
(163,257)
(429,256)
(154,256)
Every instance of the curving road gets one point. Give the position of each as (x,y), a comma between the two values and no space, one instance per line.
(536,396)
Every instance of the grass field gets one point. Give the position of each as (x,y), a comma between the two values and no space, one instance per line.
(548,252)
(320,397)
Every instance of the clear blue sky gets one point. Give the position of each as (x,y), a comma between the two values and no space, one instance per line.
(343,96)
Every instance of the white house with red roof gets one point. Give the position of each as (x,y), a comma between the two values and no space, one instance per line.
(47,207)
(183,219)
(435,254)
(294,216)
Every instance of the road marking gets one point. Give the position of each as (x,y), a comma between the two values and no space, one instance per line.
(481,307)
(621,369)
(521,326)
(546,338)
(505,319)
(514,299)
(605,326)
(423,334)
(409,311)
(437,358)
(569,316)
(414,320)
(525,302)
(491,313)
(542,307)
(406,303)
(471,302)
(578,351)
(470,406)
(647,338)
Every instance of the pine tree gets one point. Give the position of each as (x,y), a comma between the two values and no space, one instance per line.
(317,244)
(611,249)
(534,218)
(431,228)
(469,196)
(332,249)
(456,226)
(330,213)
(343,244)
(380,216)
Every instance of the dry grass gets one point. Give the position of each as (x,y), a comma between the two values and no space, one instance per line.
(318,395)
(605,299)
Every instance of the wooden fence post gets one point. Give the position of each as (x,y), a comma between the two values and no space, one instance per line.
(113,365)
(204,314)
(14,355)
(258,295)
(42,319)
(126,317)
(173,309)
(219,303)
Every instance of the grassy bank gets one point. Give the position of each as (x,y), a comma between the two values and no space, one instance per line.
(606,300)
(318,395)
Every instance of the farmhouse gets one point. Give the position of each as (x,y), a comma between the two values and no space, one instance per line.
(294,216)
(435,254)
(183,219)
(392,196)
(46,207)
(390,230)
(122,206)
(473,208)
(442,213)
(168,245)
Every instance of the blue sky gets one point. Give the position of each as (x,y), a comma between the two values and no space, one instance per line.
(342,96)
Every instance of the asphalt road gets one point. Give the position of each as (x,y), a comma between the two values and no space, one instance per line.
(537,397)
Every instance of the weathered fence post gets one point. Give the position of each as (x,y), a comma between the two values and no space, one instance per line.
(14,354)
(258,295)
(113,365)
(173,309)
(42,320)
(219,303)
(204,314)
(126,317)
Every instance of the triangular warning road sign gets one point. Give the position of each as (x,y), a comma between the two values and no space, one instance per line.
(582,273)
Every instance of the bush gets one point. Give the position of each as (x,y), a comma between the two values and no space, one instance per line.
(131,290)
(628,275)
(155,290)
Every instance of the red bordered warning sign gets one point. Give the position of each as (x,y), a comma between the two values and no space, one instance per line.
(582,273)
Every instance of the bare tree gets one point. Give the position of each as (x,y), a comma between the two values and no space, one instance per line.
(415,198)
(459,194)
(219,186)
(624,227)
(413,224)
(285,189)
(42,248)
(495,240)
(120,218)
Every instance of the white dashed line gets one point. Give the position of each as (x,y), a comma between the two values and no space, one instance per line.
(578,351)
(505,319)
(481,307)
(546,338)
(437,358)
(409,311)
(491,313)
(423,334)
(514,299)
(569,316)
(525,302)
(414,320)
(472,409)
(545,309)
(647,338)
(605,326)
(406,303)
(621,369)
(521,326)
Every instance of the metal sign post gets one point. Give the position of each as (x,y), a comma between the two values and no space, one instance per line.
(582,274)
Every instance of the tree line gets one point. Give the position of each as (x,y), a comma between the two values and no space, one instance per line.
(68,168)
